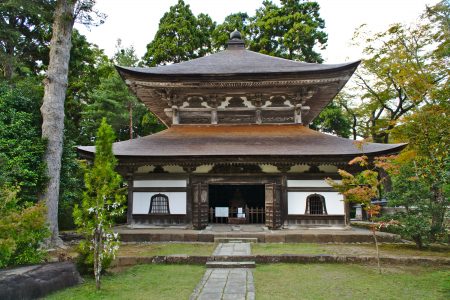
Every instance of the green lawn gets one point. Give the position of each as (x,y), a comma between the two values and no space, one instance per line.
(152,249)
(140,282)
(288,248)
(338,281)
(349,249)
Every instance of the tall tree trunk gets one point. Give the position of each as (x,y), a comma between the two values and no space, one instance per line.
(52,108)
(130,111)
(8,64)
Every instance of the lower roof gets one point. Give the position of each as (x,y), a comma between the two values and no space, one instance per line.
(242,140)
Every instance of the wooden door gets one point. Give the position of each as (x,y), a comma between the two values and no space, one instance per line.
(272,205)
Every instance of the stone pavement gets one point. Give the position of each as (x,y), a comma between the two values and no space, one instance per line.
(232,249)
(227,283)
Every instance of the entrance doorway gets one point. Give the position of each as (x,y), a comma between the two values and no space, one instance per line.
(237,204)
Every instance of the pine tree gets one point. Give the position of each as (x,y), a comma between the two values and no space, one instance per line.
(181,36)
(102,201)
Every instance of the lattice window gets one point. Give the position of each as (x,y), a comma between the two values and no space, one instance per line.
(315,205)
(159,204)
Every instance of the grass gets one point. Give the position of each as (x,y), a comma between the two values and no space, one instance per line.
(140,282)
(338,281)
(350,249)
(289,248)
(153,249)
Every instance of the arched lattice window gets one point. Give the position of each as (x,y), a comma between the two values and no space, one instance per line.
(159,204)
(315,205)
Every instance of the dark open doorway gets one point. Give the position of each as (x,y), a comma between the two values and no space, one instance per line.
(236,204)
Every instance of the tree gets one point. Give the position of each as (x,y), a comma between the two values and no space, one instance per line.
(180,36)
(333,119)
(21,151)
(364,186)
(425,170)
(239,21)
(112,99)
(290,31)
(53,107)
(404,69)
(24,27)
(102,201)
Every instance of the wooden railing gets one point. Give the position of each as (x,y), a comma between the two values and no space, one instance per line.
(253,215)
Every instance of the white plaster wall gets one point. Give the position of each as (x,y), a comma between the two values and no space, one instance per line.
(299,169)
(159,183)
(269,169)
(308,183)
(174,169)
(328,168)
(203,169)
(177,202)
(297,202)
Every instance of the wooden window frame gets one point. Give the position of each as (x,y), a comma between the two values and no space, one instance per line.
(163,205)
(308,205)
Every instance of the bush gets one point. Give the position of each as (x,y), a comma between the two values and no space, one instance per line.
(22,230)
(85,260)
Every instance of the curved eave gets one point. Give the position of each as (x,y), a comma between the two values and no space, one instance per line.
(242,141)
(146,73)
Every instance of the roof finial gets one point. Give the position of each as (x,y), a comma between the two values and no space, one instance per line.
(235,41)
(235,35)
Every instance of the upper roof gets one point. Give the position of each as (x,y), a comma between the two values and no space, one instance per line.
(239,61)
(236,72)
(241,141)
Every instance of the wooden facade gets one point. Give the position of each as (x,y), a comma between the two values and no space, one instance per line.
(238,148)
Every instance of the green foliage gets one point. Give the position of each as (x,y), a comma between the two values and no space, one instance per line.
(422,186)
(221,34)
(21,147)
(24,36)
(180,36)
(102,201)
(291,30)
(112,99)
(362,187)
(404,69)
(22,230)
(85,260)
(333,119)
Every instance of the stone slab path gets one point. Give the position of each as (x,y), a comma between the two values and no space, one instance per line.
(230,283)
(232,249)
(223,284)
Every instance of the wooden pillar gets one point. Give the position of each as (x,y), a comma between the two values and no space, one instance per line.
(130,200)
(200,205)
(175,115)
(273,206)
(298,114)
(258,118)
(214,118)
(189,200)
(284,200)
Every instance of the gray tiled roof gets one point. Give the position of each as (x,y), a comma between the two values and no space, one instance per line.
(243,140)
(238,61)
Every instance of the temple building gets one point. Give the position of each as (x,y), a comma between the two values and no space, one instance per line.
(238,148)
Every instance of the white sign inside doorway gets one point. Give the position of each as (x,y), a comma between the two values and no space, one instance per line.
(221,212)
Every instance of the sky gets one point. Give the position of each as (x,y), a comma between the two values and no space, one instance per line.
(135,22)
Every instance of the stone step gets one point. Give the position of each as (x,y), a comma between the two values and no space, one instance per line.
(230,264)
(231,258)
(235,240)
